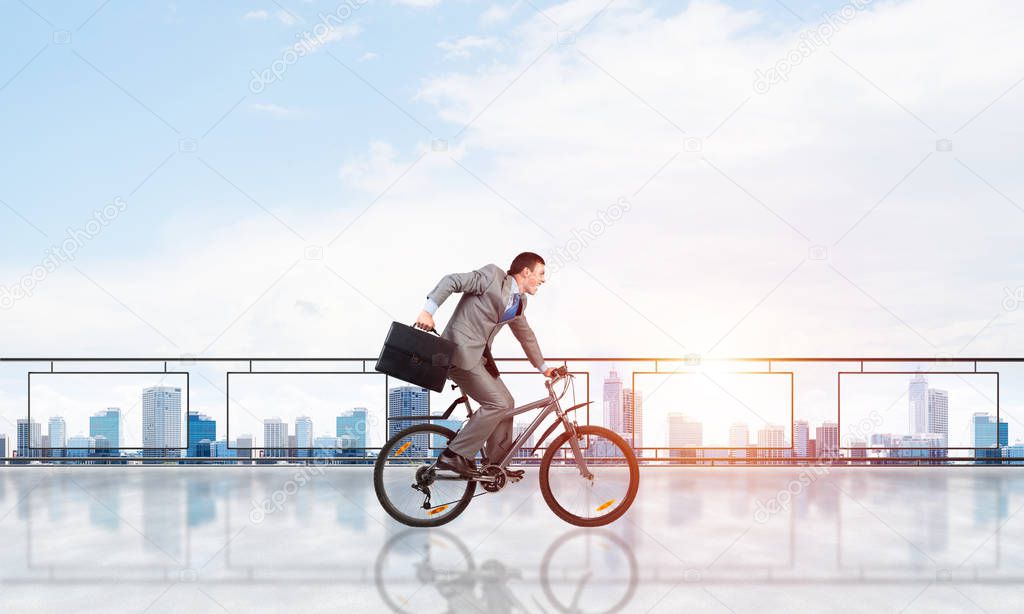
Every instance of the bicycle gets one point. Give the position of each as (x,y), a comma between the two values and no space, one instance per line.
(582,572)
(413,491)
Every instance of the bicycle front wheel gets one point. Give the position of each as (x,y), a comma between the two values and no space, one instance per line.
(590,502)
(404,482)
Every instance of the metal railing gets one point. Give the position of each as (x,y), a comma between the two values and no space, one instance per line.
(1001,368)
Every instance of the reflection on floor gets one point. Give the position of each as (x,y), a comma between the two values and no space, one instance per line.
(267,539)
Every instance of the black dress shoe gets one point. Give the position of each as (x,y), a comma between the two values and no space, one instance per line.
(453,462)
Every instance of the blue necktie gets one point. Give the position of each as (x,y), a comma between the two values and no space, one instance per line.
(511,311)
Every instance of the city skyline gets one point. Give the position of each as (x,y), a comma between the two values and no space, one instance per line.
(926,404)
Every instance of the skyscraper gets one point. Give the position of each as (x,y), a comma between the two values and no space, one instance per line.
(353,424)
(987,439)
(30,437)
(3,448)
(801,435)
(201,428)
(161,421)
(57,430)
(409,401)
(81,446)
(938,413)
(918,398)
(275,437)
(771,436)
(739,437)
(684,433)
(526,451)
(633,416)
(613,402)
(106,425)
(244,446)
(438,443)
(827,440)
(303,436)
(327,447)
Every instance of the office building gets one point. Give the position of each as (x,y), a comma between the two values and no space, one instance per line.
(243,446)
(613,402)
(438,443)
(827,436)
(986,438)
(57,431)
(353,424)
(409,401)
(81,446)
(918,405)
(683,432)
(739,439)
(275,438)
(801,435)
(303,436)
(105,428)
(202,432)
(30,437)
(769,439)
(161,421)
(938,413)
(633,417)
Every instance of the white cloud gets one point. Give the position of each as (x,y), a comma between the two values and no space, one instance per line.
(277,110)
(338,33)
(706,252)
(368,56)
(286,18)
(464,47)
(282,16)
(498,13)
(418,3)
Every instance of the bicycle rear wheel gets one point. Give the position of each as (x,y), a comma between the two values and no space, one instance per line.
(402,479)
(583,502)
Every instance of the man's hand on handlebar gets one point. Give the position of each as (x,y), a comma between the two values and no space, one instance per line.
(425,321)
(556,372)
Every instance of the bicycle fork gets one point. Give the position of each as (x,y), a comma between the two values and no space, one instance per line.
(574,445)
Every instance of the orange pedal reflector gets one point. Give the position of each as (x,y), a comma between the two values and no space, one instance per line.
(437,510)
(405,446)
(605,505)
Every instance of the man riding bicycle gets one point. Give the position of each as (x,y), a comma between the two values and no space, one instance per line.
(490,299)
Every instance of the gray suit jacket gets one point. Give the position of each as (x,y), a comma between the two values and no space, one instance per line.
(485,292)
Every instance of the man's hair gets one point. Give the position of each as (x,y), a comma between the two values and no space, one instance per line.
(525,260)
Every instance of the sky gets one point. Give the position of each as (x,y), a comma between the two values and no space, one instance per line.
(757,178)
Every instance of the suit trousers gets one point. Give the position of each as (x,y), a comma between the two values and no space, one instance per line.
(491,423)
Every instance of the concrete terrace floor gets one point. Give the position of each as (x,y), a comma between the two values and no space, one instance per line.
(203,539)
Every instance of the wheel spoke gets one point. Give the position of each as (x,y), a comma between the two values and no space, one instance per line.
(596,501)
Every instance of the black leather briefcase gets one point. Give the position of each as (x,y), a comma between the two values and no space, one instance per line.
(416,356)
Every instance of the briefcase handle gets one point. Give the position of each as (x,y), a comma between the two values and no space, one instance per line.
(432,330)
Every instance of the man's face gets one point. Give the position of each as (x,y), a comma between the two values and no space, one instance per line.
(532,279)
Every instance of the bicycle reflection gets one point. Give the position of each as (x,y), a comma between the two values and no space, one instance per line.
(584,571)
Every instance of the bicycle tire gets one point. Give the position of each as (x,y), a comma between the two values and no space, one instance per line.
(385,501)
(627,501)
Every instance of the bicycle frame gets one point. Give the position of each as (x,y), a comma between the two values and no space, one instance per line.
(550,404)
